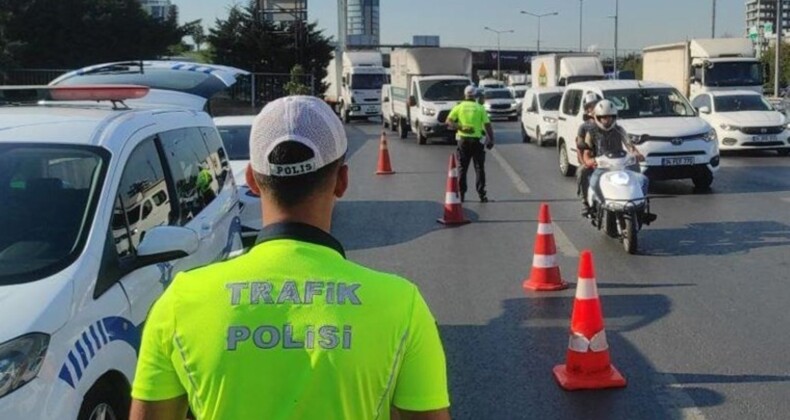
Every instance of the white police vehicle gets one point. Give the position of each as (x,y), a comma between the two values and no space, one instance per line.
(100,204)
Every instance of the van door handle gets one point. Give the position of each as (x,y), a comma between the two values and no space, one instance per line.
(561,118)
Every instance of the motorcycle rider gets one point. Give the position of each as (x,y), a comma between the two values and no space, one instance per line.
(583,174)
(606,137)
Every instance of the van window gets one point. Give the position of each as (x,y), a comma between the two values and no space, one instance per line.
(217,157)
(196,184)
(572,102)
(141,203)
(700,101)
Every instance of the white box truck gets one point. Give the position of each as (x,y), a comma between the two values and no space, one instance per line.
(553,70)
(516,79)
(426,84)
(704,65)
(355,91)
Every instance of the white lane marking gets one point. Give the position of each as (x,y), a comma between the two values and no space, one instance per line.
(519,183)
(671,395)
(564,245)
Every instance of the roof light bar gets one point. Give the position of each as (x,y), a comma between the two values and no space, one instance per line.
(114,93)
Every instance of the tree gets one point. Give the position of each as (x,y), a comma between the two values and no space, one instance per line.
(768,58)
(244,40)
(195,30)
(295,86)
(9,9)
(632,62)
(76,33)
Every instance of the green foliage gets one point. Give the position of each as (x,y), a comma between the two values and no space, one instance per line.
(768,58)
(632,62)
(253,44)
(75,33)
(295,86)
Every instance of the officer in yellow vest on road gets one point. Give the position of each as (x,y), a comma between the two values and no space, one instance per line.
(292,329)
(471,121)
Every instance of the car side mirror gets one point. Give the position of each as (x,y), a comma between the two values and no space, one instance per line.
(704,109)
(412,101)
(166,243)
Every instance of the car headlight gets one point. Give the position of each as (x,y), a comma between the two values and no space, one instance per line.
(710,136)
(729,127)
(637,139)
(20,360)
(550,120)
(428,111)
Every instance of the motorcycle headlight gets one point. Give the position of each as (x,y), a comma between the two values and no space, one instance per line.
(550,120)
(430,112)
(619,178)
(20,360)
(637,139)
(729,127)
(710,136)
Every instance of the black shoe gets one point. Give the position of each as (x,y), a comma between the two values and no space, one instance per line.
(483,199)
(462,197)
(587,212)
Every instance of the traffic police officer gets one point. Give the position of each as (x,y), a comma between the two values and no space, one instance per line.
(292,329)
(471,121)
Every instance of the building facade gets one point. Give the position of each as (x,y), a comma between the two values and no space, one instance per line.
(160,9)
(762,13)
(362,28)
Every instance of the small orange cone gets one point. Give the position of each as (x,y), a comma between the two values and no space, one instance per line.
(587,365)
(545,275)
(384,166)
(453,210)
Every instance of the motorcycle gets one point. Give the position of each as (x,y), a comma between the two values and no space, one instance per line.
(619,203)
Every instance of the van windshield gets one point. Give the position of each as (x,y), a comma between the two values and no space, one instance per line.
(649,103)
(443,90)
(48,195)
(550,101)
(368,81)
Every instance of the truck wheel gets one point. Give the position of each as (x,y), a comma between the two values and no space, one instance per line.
(566,169)
(524,135)
(702,180)
(539,138)
(403,129)
(346,117)
(421,139)
(105,401)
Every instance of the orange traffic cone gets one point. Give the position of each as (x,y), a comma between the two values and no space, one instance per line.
(588,365)
(545,275)
(453,210)
(384,166)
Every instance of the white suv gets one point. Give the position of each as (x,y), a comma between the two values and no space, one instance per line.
(660,122)
(100,204)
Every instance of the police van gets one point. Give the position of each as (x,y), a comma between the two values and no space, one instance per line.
(101,202)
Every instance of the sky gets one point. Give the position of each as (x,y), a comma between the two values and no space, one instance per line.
(461,22)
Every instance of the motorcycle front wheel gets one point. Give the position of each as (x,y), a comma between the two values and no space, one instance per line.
(630,242)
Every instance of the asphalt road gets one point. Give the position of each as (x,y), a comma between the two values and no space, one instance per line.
(697,322)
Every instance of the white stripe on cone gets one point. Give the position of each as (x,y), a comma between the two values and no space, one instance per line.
(452,198)
(544,261)
(452,173)
(545,229)
(580,344)
(586,289)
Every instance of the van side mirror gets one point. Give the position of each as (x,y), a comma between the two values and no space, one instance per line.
(166,243)
(532,110)
(412,101)
(704,109)
(386,100)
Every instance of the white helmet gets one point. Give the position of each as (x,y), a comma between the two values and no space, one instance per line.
(605,108)
(590,99)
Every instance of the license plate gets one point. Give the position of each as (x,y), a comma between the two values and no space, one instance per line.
(761,139)
(677,161)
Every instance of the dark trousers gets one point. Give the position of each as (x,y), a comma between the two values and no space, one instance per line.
(583,176)
(472,150)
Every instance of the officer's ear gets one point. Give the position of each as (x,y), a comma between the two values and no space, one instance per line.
(341,183)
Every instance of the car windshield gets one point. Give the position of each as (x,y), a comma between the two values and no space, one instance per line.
(47,199)
(368,81)
(236,139)
(734,74)
(498,94)
(649,103)
(550,101)
(443,90)
(735,103)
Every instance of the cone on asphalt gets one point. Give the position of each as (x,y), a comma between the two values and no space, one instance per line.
(453,209)
(587,365)
(545,275)
(384,166)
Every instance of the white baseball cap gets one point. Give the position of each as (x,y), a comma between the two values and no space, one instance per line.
(303,119)
(470,90)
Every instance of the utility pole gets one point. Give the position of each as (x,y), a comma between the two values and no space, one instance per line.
(777,61)
(581,10)
(498,50)
(539,16)
(616,25)
(713,21)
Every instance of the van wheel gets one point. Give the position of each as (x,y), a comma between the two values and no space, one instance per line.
(384,122)
(105,401)
(539,138)
(403,129)
(346,116)
(702,181)
(565,165)
(524,136)
(421,139)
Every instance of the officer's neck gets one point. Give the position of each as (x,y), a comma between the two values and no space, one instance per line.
(316,211)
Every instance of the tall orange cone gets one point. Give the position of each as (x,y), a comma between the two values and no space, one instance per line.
(384,166)
(545,275)
(453,210)
(587,365)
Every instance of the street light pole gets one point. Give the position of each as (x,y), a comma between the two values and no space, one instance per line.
(777,63)
(581,10)
(539,16)
(713,21)
(616,25)
(498,50)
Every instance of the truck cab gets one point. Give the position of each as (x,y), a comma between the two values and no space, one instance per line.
(723,74)
(361,87)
